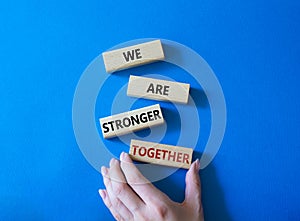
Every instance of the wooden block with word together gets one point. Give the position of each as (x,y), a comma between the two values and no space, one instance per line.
(130,121)
(133,56)
(155,89)
(161,154)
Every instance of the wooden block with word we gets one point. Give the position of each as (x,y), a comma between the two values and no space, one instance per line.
(161,154)
(151,88)
(130,121)
(133,56)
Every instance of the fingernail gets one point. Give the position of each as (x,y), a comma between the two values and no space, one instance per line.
(124,156)
(197,162)
(104,170)
(102,193)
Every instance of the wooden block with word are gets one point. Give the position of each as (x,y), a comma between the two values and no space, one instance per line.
(156,89)
(161,154)
(130,121)
(133,56)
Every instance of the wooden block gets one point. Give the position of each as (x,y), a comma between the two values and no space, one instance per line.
(155,89)
(133,56)
(130,121)
(162,154)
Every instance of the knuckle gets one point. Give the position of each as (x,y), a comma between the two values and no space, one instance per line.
(108,203)
(162,211)
(118,204)
(158,212)
(197,183)
(119,189)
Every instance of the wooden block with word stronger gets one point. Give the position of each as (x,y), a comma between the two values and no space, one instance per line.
(130,121)
(161,154)
(144,87)
(133,56)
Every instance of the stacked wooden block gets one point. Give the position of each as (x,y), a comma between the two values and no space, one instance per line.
(147,88)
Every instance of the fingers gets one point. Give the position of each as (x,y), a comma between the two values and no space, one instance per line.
(113,203)
(105,197)
(121,190)
(193,185)
(143,188)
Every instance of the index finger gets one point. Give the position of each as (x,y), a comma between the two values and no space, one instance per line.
(143,188)
(120,188)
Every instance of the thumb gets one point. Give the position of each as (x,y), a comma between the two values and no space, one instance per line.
(193,185)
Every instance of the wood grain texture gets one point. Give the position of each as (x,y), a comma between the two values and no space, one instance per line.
(130,121)
(161,154)
(155,89)
(133,56)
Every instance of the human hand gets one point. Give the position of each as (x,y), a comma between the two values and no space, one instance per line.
(130,196)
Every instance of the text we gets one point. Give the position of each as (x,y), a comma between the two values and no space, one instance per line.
(132,55)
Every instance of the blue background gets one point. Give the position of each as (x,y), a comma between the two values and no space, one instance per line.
(253,48)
